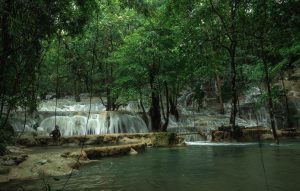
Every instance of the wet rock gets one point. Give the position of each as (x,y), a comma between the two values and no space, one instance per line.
(9,163)
(127,140)
(98,152)
(267,137)
(42,162)
(14,160)
(13,149)
(163,139)
(65,155)
(81,155)
(75,164)
(4,170)
(133,152)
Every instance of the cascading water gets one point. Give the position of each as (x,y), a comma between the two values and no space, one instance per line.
(73,119)
(103,123)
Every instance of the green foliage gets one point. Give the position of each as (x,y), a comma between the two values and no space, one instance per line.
(112,48)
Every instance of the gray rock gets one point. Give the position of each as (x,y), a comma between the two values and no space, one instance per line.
(9,163)
(4,170)
(42,162)
(133,152)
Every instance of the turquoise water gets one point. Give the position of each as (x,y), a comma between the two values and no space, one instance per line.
(202,168)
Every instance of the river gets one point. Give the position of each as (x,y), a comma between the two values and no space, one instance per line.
(205,167)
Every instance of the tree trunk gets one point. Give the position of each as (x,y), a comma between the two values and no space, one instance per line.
(173,107)
(6,48)
(145,117)
(155,107)
(219,94)
(233,90)
(108,90)
(270,101)
(166,116)
(266,71)
(77,88)
(155,112)
(287,109)
(232,52)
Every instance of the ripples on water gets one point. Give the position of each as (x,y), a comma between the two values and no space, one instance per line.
(204,167)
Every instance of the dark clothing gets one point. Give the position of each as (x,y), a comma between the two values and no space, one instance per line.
(55,134)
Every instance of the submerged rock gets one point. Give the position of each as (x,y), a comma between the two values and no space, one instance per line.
(133,152)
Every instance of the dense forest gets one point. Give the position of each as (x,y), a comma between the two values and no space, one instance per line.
(145,50)
(216,83)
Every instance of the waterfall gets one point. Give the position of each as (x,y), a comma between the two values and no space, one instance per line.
(72,118)
(102,123)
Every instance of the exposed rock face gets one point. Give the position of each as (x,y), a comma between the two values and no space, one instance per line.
(253,134)
(53,163)
(75,155)
(98,152)
(151,139)
(12,160)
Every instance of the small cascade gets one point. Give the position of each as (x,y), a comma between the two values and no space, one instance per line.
(70,106)
(189,134)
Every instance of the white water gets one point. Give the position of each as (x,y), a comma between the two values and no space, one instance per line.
(102,123)
(72,119)
(205,143)
(70,106)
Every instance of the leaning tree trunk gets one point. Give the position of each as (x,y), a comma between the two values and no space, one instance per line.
(269,92)
(266,70)
(270,102)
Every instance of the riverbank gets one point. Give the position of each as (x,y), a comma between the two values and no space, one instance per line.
(38,157)
(160,139)
(224,134)
(42,162)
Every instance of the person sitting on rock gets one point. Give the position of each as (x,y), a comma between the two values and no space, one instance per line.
(55,134)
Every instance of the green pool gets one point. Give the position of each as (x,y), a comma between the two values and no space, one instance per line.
(205,167)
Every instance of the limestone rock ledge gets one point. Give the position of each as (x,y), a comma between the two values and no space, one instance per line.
(58,161)
(98,152)
(159,139)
